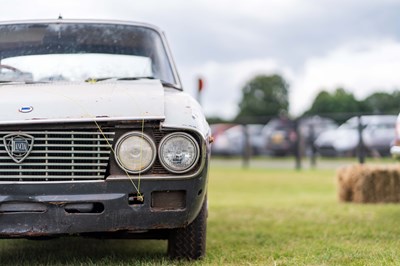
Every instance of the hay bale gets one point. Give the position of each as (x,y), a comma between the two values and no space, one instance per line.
(369,184)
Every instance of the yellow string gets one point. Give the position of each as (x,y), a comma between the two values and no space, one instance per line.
(141,154)
(126,172)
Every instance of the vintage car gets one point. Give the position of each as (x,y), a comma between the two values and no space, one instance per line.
(98,137)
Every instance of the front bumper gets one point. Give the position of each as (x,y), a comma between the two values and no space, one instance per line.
(41,209)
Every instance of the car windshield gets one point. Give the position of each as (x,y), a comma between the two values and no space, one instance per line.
(75,52)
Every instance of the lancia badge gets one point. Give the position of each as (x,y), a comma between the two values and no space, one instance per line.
(25,109)
(18,146)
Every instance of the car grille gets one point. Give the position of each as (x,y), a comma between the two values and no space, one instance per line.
(58,156)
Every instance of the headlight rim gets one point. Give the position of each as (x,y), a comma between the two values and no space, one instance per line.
(169,136)
(141,135)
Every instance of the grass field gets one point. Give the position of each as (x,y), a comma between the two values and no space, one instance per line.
(257,216)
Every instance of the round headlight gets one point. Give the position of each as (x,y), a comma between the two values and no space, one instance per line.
(135,152)
(178,152)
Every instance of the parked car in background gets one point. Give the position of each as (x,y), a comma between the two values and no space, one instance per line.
(315,125)
(395,149)
(218,130)
(232,140)
(280,136)
(378,131)
(257,140)
(310,128)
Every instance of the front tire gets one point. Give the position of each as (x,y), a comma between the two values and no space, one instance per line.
(190,242)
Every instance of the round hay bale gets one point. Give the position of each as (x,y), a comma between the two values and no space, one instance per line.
(369,183)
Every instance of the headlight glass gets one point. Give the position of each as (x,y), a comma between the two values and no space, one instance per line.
(178,152)
(135,152)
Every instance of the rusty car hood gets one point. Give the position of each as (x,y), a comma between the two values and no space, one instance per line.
(69,102)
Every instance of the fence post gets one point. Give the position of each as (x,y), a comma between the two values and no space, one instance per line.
(361,147)
(313,150)
(246,147)
(297,150)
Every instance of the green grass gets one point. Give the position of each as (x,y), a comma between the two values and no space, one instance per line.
(258,216)
(284,217)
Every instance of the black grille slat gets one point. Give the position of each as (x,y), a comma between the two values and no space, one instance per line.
(59,155)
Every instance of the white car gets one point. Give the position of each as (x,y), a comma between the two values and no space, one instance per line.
(377,134)
(98,137)
(395,149)
(232,141)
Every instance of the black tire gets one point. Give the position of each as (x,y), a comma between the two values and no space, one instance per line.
(190,242)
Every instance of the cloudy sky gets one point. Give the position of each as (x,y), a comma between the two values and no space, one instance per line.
(314,44)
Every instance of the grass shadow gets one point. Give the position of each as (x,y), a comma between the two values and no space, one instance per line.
(83,251)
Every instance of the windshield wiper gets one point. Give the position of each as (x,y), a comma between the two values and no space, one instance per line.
(164,83)
(98,79)
(170,85)
(115,78)
(136,78)
(21,81)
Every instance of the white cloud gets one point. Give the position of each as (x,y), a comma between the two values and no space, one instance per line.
(362,67)
(310,42)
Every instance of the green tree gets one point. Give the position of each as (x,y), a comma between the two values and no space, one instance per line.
(263,97)
(339,105)
(382,103)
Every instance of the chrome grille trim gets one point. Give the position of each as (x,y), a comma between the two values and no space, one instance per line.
(59,155)
(58,158)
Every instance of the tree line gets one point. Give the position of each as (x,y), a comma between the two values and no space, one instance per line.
(266,96)
(341,104)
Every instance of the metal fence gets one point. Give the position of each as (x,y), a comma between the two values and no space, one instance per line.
(302,138)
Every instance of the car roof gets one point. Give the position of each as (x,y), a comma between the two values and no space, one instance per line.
(88,21)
